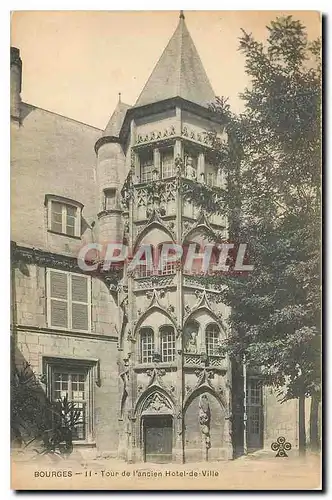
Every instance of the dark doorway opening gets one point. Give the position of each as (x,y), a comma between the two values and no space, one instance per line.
(158,438)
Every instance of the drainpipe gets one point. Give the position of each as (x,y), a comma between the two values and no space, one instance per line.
(245,415)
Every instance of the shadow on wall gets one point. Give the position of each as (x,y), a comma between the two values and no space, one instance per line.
(30,408)
(35,420)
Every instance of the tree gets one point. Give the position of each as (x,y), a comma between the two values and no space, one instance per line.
(281,168)
(273,161)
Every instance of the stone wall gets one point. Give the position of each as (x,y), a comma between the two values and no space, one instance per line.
(35,342)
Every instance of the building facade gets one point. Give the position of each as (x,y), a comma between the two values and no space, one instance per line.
(137,351)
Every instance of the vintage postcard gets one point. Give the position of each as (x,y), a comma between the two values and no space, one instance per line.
(165,250)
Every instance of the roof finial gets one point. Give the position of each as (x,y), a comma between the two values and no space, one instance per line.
(119,96)
(181,14)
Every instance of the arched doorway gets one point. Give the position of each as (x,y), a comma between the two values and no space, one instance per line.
(156,427)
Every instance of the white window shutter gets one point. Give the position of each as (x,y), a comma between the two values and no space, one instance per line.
(59,285)
(58,299)
(80,302)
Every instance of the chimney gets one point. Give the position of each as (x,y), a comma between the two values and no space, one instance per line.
(15,83)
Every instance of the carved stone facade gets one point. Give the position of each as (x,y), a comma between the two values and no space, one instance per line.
(154,338)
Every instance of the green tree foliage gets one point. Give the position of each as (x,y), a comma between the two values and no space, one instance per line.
(273,161)
(278,304)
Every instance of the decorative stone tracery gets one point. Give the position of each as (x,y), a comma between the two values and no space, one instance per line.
(157,404)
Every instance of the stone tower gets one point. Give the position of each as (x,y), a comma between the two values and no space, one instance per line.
(111,172)
(174,402)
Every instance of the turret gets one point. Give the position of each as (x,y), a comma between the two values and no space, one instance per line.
(15,83)
(110,177)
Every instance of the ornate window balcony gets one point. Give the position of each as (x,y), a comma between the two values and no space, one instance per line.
(191,359)
(144,272)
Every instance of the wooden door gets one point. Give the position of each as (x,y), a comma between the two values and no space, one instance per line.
(158,437)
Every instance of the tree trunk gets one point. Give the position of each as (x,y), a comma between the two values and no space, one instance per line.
(302,439)
(314,431)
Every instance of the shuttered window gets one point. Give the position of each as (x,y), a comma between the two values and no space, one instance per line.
(69,303)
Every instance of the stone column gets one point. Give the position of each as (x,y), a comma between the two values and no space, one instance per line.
(156,162)
(201,167)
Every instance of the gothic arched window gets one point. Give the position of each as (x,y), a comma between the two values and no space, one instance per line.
(212,334)
(147,345)
(167,338)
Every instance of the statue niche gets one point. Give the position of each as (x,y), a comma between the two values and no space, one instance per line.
(191,342)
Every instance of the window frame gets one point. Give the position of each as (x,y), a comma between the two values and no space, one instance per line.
(162,332)
(214,344)
(69,300)
(144,330)
(65,204)
(90,367)
(143,163)
(169,171)
(106,199)
(254,406)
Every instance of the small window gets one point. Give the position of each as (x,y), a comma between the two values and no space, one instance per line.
(212,340)
(68,300)
(147,166)
(167,343)
(167,163)
(147,345)
(64,216)
(109,199)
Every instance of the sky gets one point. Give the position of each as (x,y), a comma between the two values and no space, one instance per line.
(76,62)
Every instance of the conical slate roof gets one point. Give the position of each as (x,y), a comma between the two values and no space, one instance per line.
(115,123)
(178,73)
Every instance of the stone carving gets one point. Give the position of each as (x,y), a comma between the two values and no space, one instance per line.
(124,324)
(187,308)
(204,417)
(190,170)
(155,135)
(155,374)
(124,376)
(155,174)
(191,359)
(152,281)
(157,403)
(130,337)
(191,346)
(224,137)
